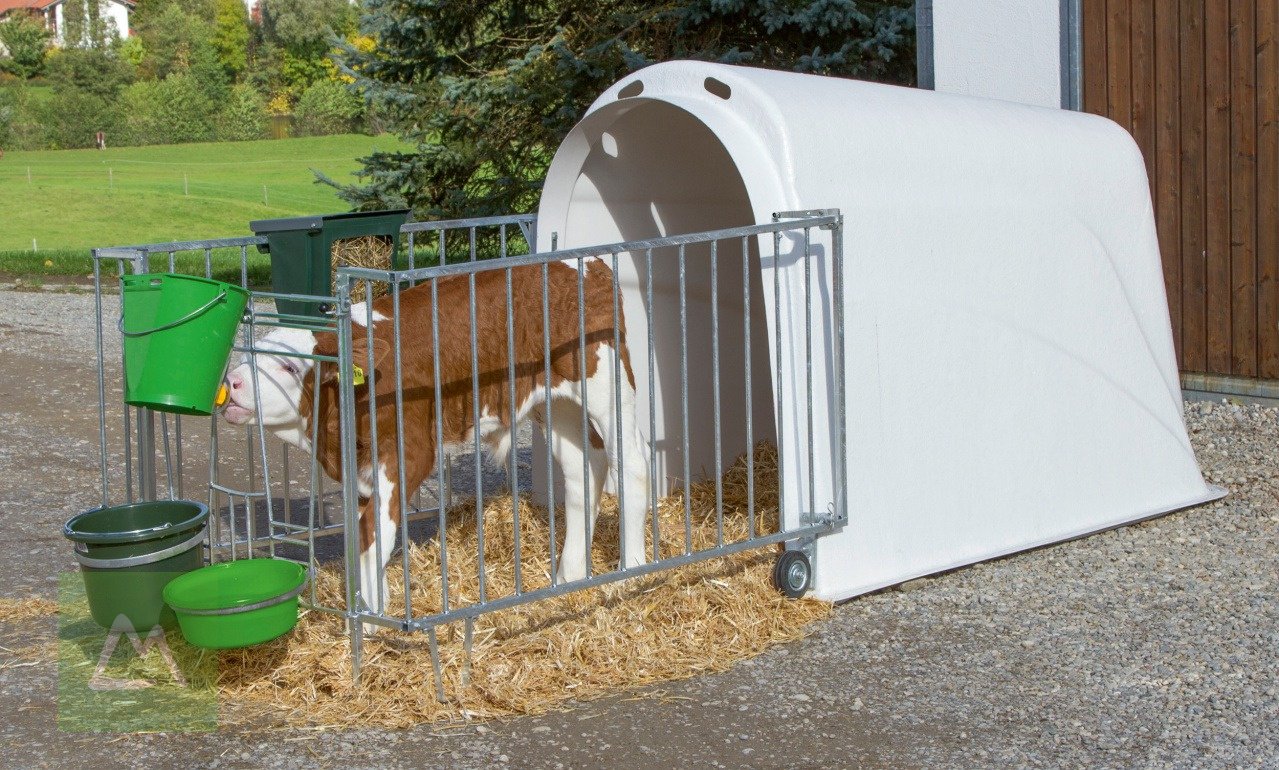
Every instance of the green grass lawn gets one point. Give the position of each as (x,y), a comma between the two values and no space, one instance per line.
(80,199)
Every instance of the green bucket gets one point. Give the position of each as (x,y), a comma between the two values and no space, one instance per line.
(178,332)
(237,603)
(129,553)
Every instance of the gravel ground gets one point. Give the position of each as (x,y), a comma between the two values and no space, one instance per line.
(1155,645)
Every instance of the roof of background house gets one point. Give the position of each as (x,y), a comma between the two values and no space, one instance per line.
(9,5)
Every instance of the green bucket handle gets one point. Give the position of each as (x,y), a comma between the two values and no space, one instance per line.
(188,317)
(146,558)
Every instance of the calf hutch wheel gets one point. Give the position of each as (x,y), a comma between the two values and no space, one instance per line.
(793,574)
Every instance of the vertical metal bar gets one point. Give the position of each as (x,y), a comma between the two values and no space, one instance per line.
(412,255)
(350,469)
(779,352)
(146,454)
(750,405)
(1071,55)
(168,460)
(440,460)
(177,451)
(172,268)
(230,507)
(683,398)
(128,423)
(375,500)
(841,376)
(399,448)
(443,259)
(587,483)
(215,532)
(317,480)
(286,483)
(652,405)
(719,460)
(244,267)
(264,455)
(475,424)
(620,463)
(924,44)
(468,642)
(512,472)
(102,382)
(434,645)
(808,362)
(546,429)
(146,424)
(208,263)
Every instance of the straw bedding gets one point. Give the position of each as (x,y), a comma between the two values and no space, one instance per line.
(532,659)
(371,251)
(25,609)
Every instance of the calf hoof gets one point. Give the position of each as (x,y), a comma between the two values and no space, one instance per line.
(563,575)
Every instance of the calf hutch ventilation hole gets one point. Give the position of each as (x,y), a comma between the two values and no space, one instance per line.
(533,658)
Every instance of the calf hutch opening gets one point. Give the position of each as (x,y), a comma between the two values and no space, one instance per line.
(891,331)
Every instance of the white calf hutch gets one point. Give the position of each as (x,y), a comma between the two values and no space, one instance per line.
(947,312)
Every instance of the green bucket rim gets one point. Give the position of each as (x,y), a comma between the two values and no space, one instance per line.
(148,277)
(70,532)
(197,581)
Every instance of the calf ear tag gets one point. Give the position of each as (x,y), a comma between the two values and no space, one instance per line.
(358,377)
(221,397)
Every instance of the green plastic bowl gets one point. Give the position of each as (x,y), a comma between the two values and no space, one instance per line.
(237,603)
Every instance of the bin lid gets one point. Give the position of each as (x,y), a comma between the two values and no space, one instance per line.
(315,223)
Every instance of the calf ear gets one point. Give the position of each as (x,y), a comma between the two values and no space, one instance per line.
(327,346)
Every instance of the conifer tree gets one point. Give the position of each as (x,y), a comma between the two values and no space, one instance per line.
(485,91)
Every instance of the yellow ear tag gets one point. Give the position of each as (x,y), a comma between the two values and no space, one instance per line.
(358,379)
(221,397)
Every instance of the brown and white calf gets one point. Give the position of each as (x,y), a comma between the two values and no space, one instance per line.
(287,393)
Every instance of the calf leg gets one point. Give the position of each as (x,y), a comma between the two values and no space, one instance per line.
(627,457)
(583,468)
(377,541)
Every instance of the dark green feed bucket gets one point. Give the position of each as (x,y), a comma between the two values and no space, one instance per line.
(237,603)
(129,553)
(178,332)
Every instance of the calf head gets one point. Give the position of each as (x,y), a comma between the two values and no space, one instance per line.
(279,396)
(278,384)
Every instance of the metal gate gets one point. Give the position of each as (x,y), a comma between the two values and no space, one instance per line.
(265,502)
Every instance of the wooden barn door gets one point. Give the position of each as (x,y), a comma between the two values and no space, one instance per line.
(1197,84)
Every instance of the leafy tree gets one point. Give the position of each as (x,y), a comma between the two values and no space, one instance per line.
(177,42)
(26,39)
(327,107)
(243,116)
(86,84)
(169,111)
(486,91)
(306,25)
(231,35)
(297,40)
